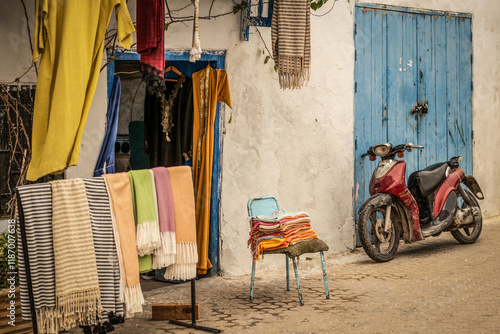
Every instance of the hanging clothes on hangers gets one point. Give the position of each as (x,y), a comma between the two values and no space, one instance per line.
(70,37)
(168,123)
(209,86)
(150,43)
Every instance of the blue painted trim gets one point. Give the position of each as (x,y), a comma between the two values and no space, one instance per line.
(180,55)
(111,77)
(257,21)
(412,10)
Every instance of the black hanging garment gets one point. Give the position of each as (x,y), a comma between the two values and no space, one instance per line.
(168,124)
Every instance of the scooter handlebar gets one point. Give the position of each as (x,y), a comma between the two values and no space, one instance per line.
(410,147)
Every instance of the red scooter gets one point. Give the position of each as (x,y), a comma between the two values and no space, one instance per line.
(433,202)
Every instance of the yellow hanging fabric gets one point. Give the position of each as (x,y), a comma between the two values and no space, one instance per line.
(69,36)
(209,86)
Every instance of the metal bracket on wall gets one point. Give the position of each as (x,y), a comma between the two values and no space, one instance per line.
(253,15)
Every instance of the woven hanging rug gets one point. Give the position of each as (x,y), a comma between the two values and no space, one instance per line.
(36,202)
(108,270)
(78,300)
(291,42)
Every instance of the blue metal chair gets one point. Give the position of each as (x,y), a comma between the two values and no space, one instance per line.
(267,206)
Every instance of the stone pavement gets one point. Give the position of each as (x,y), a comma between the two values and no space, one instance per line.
(435,286)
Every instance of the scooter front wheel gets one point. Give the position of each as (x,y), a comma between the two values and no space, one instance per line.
(379,241)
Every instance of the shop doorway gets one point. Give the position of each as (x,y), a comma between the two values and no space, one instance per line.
(129,146)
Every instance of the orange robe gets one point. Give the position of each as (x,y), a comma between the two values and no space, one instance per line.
(209,86)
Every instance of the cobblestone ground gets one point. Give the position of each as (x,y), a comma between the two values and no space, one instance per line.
(436,286)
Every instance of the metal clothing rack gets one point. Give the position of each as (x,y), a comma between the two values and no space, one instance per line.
(193,314)
(22,229)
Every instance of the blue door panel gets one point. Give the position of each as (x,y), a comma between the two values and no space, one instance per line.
(405,57)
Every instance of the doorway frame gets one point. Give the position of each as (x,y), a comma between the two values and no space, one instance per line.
(218,56)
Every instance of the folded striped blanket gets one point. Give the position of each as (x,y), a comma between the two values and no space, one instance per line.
(108,269)
(279,230)
(78,298)
(36,203)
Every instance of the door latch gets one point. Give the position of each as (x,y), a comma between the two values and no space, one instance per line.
(420,109)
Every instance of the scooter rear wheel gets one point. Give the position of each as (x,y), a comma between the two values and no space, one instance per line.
(378,244)
(468,235)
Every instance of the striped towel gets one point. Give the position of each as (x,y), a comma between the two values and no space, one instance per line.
(145,212)
(165,255)
(186,257)
(291,42)
(122,216)
(104,244)
(78,300)
(36,203)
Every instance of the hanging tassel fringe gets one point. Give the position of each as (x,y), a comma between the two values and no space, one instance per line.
(292,72)
(185,263)
(165,255)
(133,301)
(46,320)
(195,52)
(78,308)
(180,272)
(148,237)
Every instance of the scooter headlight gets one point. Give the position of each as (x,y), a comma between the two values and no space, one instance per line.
(382,149)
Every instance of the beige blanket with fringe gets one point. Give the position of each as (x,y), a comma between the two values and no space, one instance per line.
(122,216)
(184,267)
(291,42)
(78,300)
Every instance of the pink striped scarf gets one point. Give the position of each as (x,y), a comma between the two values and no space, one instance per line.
(165,255)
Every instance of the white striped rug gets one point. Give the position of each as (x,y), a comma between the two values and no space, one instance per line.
(104,244)
(36,200)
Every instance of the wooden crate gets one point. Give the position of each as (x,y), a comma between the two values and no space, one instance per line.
(174,311)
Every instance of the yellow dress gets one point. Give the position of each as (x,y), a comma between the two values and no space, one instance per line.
(69,36)
(209,86)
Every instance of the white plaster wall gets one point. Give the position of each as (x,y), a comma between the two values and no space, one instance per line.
(298,145)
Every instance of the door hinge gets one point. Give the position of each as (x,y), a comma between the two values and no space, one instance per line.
(472,134)
(355,87)
(355,28)
(355,144)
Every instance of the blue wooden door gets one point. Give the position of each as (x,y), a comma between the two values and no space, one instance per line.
(406,58)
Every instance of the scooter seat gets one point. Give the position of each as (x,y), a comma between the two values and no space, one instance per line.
(423,182)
